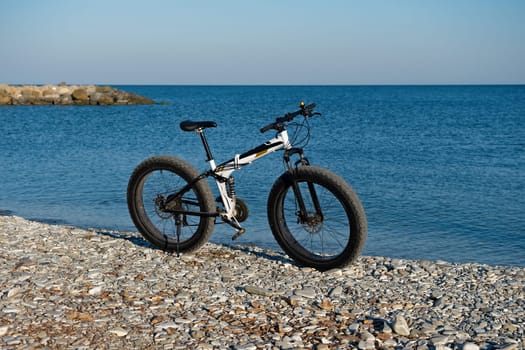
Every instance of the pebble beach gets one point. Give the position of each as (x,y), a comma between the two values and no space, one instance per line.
(64,287)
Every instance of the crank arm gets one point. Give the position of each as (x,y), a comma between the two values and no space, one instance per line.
(233,223)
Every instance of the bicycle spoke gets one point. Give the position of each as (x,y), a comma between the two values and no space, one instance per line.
(162,183)
(326,238)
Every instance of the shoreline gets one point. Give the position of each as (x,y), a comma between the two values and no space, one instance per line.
(62,286)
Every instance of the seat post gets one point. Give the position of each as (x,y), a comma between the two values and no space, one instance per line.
(209,156)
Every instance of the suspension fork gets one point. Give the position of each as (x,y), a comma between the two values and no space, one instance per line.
(302,161)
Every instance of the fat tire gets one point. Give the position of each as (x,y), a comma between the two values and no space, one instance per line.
(341,192)
(141,219)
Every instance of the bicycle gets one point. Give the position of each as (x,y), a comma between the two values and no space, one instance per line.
(315,215)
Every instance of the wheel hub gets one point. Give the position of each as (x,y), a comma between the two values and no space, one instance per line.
(313,223)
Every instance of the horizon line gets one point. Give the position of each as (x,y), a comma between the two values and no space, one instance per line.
(271,84)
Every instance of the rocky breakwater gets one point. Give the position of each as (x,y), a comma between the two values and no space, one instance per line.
(63,287)
(63,94)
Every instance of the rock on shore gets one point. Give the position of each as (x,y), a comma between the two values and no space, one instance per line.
(65,287)
(68,95)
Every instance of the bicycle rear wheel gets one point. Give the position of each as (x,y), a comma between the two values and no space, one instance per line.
(150,185)
(333,230)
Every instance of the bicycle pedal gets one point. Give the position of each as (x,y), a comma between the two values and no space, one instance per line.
(238,234)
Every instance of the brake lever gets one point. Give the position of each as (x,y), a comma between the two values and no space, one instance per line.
(310,115)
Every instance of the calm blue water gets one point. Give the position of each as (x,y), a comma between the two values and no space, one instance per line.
(440,169)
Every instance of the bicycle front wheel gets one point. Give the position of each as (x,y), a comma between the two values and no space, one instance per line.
(150,185)
(329,230)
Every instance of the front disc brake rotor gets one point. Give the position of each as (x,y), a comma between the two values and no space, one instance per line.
(313,224)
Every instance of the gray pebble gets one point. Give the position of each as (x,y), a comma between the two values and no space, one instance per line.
(306,292)
(400,326)
(257,290)
(470,346)
(335,292)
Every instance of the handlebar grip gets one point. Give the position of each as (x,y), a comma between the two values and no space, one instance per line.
(266,128)
(310,106)
(307,111)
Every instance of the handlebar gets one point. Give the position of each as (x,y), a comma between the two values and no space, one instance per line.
(306,111)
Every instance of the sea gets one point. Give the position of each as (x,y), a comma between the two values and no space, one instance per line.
(440,170)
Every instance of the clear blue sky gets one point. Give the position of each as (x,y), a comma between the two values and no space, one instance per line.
(262,42)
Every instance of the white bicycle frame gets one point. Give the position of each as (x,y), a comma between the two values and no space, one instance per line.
(223,172)
(226,183)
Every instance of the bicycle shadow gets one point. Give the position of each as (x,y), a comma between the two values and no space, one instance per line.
(139,241)
(127,236)
(261,253)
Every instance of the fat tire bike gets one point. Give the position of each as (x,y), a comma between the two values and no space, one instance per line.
(314,214)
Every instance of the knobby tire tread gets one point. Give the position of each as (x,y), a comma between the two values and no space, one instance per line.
(348,198)
(187,172)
